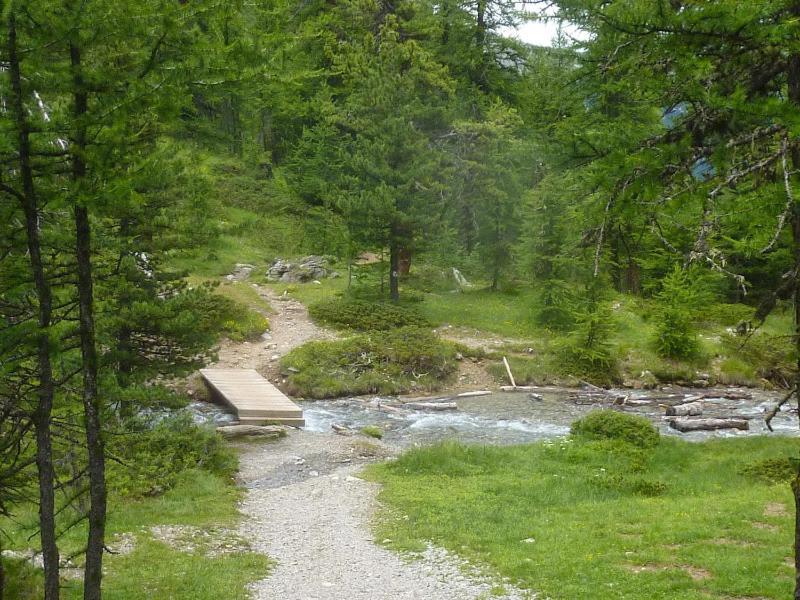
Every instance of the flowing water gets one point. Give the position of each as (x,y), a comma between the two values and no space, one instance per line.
(519,417)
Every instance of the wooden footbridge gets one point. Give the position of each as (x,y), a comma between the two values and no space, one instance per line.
(255,400)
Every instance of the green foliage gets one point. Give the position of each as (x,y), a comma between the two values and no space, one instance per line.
(632,484)
(676,336)
(360,315)
(614,425)
(238,322)
(588,352)
(771,356)
(154,458)
(372,431)
(555,311)
(771,470)
(22,581)
(385,362)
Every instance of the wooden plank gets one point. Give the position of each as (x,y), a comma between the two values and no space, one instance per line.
(255,400)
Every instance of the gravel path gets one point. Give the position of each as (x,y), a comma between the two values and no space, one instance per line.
(307,509)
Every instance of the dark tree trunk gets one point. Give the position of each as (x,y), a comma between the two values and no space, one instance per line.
(42,414)
(91,400)
(404,261)
(394,270)
(793,77)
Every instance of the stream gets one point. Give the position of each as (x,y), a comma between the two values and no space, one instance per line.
(518,417)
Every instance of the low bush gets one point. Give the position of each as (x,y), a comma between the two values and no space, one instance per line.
(152,458)
(372,431)
(241,323)
(632,484)
(676,333)
(735,371)
(773,357)
(610,424)
(770,470)
(362,315)
(384,362)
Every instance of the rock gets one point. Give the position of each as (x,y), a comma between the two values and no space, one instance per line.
(240,272)
(307,269)
(341,429)
(265,431)
(688,409)
(537,397)
(700,383)
(647,380)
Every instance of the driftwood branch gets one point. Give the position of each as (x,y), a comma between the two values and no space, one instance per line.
(787,184)
(776,409)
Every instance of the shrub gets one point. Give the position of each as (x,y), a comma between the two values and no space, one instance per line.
(770,470)
(675,332)
(773,357)
(153,457)
(362,315)
(372,431)
(610,424)
(587,353)
(556,301)
(385,362)
(636,485)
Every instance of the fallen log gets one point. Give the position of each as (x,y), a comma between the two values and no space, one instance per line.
(686,425)
(727,395)
(424,399)
(476,393)
(518,388)
(431,405)
(230,432)
(625,401)
(689,409)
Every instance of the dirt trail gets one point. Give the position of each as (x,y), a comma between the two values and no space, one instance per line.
(307,509)
(290,326)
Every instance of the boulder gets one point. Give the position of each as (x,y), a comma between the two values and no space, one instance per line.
(306,269)
(240,272)
(266,431)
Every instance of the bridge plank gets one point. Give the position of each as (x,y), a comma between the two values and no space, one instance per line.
(255,400)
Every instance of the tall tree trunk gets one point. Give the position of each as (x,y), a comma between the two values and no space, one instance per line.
(394,265)
(793,77)
(91,400)
(42,414)
(480,42)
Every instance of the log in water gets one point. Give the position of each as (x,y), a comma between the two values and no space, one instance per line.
(686,425)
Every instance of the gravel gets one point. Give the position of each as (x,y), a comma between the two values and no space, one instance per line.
(307,509)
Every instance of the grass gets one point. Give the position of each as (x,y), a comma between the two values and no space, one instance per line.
(154,569)
(576,519)
(506,314)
